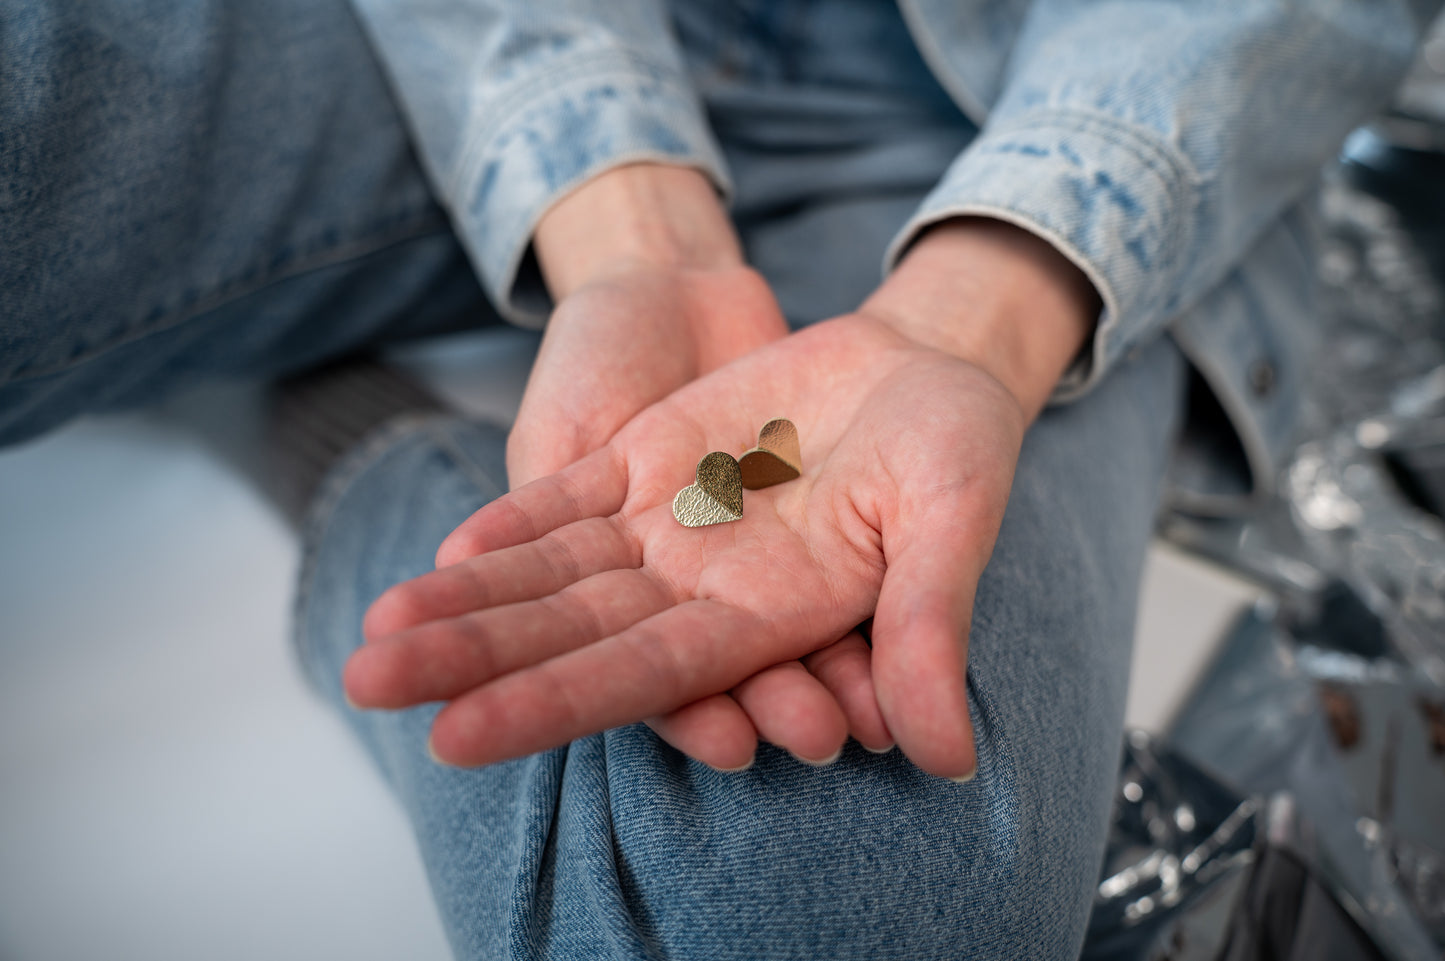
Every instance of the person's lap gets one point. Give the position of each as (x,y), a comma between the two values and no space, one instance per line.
(190,190)
(618,846)
(297,224)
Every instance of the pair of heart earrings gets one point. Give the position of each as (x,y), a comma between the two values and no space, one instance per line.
(716,497)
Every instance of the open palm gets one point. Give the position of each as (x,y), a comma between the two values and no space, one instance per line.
(578,603)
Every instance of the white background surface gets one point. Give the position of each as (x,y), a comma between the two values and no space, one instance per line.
(169,788)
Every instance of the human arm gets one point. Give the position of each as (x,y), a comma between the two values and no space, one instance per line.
(1152,141)
(908,455)
(513,105)
(568,147)
(566,143)
(652,292)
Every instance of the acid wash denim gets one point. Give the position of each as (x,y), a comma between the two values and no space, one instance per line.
(191,188)
(1159,144)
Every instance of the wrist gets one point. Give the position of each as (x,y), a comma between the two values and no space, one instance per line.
(637,216)
(997,296)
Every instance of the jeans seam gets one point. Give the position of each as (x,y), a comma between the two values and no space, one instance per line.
(338,481)
(240,287)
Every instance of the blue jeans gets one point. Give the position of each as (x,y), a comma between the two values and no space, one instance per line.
(226,188)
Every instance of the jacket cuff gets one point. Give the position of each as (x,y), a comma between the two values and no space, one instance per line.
(603,112)
(1112,198)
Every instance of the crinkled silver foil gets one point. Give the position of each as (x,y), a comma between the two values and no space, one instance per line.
(1291,746)
(1179,847)
(1358,527)
(1311,755)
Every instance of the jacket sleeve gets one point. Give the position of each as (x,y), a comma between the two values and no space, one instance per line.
(1152,141)
(514,103)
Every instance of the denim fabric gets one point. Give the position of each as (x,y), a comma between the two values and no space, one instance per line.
(166,167)
(618,847)
(190,189)
(1156,143)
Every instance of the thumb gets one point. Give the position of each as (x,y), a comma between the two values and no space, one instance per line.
(920,632)
(544,441)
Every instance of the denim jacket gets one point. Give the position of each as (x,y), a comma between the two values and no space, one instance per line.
(1162,145)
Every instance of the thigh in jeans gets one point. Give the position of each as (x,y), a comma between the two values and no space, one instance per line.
(199,188)
(618,847)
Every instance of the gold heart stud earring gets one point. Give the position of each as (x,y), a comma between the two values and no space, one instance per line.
(777,458)
(717,495)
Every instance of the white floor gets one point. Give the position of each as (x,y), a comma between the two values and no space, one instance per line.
(169,789)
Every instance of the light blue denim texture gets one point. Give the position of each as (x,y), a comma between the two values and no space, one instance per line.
(1157,143)
(170,166)
(193,189)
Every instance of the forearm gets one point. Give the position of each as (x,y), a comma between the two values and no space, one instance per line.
(512,104)
(1161,179)
(638,216)
(997,296)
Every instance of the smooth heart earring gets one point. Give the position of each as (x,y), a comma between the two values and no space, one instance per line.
(777,458)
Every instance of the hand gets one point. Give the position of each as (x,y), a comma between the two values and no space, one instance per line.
(577,603)
(624,341)
(651,293)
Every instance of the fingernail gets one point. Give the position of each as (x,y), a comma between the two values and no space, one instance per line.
(965,778)
(432,753)
(878,750)
(734,770)
(821,762)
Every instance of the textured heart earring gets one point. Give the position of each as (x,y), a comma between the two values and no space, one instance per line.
(716,497)
(777,458)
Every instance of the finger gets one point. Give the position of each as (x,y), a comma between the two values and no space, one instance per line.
(920,636)
(557,441)
(715,731)
(845,669)
(682,655)
(521,573)
(593,487)
(792,709)
(440,660)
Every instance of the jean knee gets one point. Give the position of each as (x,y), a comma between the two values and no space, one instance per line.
(866,858)
(378,520)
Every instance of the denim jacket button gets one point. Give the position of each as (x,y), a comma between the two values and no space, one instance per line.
(1261,378)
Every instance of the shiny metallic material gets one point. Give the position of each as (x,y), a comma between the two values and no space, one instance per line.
(717,495)
(777,458)
(1326,704)
(1180,847)
(1314,709)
